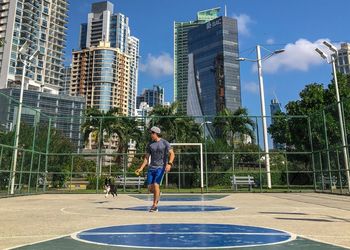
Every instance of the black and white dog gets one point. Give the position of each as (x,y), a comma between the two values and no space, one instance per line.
(110,188)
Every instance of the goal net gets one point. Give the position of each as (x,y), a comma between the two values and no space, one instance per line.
(194,158)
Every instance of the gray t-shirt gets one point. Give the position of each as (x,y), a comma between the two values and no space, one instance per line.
(159,151)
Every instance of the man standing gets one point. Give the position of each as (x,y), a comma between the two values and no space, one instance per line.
(162,158)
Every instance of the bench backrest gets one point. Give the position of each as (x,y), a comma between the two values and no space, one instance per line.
(243,179)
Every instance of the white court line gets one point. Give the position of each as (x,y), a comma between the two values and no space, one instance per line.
(37,242)
(291,238)
(321,241)
(184,233)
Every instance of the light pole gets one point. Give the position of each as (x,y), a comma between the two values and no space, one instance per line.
(262,105)
(205,149)
(340,112)
(26,62)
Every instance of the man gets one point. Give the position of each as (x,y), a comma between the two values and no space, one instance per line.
(162,158)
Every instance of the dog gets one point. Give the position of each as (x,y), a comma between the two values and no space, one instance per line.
(110,188)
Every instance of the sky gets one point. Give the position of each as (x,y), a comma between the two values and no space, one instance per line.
(298,26)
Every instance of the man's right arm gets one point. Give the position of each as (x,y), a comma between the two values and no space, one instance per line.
(144,163)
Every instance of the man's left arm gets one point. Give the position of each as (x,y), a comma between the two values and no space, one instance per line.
(171,160)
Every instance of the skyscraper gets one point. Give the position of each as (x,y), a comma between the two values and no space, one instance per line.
(213,76)
(152,97)
(101,74)
(181,54)
(67,73)
(43,25)
(133,52)
(275,107)
(105,26)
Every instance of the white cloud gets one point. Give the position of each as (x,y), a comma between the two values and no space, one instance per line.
(158,65)
(251,87)
(243,22)
(298,56)
(270,41)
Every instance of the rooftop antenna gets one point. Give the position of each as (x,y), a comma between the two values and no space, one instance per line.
(225,10)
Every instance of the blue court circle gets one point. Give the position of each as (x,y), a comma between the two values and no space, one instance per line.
(184,236)
(179,197)
(182,208)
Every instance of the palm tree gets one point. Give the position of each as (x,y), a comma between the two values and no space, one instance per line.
(126,129)
(176,127)
(99,124)
(230,125)
(164,117)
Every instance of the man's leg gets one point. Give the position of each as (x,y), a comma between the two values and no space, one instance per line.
(151,188)
(156,194)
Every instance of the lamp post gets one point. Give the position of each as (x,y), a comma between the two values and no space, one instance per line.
(205,149)
(26,63)
(340,112)
(262,105)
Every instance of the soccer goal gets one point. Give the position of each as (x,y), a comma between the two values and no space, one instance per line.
(200,145)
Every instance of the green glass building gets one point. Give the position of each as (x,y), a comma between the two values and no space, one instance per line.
(181,30)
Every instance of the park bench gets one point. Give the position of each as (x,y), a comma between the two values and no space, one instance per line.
(243,181)
(130,181)
(328,182)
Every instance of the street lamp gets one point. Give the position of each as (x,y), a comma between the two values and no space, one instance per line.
(334,56)
(26,63)
(262,104)
(205,149)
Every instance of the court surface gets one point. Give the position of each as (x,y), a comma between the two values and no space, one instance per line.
(251,221)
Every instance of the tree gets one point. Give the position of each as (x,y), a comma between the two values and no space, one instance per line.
(318,104)
(175,127)
(231,125)
(100,124)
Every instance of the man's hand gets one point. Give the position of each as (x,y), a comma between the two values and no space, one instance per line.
(138,171)
(167,168)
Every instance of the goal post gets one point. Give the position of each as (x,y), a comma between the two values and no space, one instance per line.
(200,145)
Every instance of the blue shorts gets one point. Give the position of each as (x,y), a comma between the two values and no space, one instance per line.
(155,175)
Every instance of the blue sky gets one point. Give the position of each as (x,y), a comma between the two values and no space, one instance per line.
(297,26)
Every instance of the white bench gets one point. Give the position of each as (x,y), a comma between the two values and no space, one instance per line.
(327,182)
(242,180)
(130,181)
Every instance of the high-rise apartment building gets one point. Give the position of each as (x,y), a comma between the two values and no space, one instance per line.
(342,64)
(133,52)
(43,25)
(181,54)
(152,97)
(67,72)
(102,75)
(113,28)
(214,74)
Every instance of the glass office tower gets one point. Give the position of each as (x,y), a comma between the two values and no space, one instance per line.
(181,30)
(214,74)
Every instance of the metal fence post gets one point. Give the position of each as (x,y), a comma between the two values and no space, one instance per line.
(312,151)
(327,149)
(47,154)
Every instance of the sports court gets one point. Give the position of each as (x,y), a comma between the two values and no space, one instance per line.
(258,221)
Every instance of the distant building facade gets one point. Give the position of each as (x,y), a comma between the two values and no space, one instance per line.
(152,97)
(42,24)
(101,74)
(66,112)
(181,30)
(342,64)
(213,72)
(103,25)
